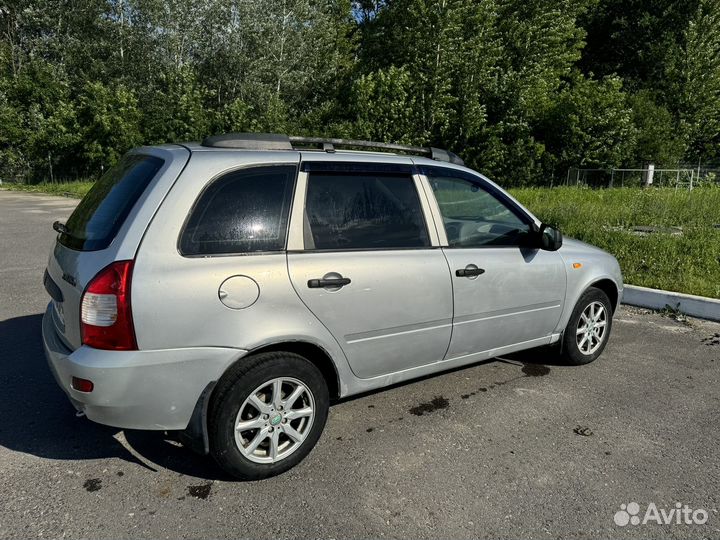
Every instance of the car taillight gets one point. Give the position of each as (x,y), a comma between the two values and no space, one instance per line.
(105,314)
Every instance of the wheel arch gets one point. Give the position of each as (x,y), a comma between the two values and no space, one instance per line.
(610,288)
(195,435)
(314,353)
(576,288)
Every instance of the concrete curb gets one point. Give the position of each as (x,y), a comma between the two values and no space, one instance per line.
(696,306)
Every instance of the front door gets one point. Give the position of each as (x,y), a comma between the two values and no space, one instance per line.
(505,294)
(368,270)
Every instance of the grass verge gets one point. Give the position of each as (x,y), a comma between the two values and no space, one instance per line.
(66,189)
(688,262)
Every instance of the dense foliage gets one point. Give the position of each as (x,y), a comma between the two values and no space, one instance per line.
(522,89)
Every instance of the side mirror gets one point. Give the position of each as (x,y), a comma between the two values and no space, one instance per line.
(549,238)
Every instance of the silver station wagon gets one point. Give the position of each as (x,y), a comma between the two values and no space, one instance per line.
(230,290)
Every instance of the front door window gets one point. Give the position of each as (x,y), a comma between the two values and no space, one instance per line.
(473,216)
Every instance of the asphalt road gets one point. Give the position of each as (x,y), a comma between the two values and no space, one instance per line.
(511,448)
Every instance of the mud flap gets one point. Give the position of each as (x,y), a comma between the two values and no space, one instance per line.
(195,435)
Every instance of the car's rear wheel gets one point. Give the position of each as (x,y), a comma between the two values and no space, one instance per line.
(588,329)
(266,414)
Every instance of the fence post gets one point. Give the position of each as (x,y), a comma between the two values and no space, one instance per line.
(649,173)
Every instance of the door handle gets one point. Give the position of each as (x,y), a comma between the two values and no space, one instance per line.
(469,272)
(328,282)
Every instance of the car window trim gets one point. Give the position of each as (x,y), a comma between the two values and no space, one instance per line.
(357,167)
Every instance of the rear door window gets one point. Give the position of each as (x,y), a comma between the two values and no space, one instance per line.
(97,219)
(243,211)
(363,211)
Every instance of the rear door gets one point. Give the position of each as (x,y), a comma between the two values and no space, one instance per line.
(505,294)
(369,267)
(106,226)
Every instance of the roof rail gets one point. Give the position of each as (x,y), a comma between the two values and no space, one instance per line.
(276,141)
(249,141)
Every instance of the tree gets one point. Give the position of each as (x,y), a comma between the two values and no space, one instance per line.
(385,107)
(282,60)
(441,80)
(540,42)
(657,139)
(174,109)
(695,79)
(109,123)
(634,39)
(13,162)
(591,124)
(40,114)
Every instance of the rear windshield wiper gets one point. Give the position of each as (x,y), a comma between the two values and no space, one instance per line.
(61,228)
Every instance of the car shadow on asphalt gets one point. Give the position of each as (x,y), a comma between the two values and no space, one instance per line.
(36,417)
(547,355)
(536,362)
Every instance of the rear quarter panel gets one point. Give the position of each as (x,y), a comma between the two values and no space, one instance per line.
(82,266)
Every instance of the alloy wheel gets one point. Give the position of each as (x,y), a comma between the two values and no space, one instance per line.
(274,420)
(591,328)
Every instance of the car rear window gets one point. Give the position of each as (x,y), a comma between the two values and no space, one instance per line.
(243,211)
(97,219)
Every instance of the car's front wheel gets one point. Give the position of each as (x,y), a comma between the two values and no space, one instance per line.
(266,414)
(588,329)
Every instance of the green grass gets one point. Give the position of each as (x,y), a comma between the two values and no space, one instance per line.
(66,189)
(688,263)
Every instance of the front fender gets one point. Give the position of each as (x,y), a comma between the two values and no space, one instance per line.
(595,265)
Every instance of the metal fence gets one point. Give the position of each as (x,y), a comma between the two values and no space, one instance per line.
(681,178)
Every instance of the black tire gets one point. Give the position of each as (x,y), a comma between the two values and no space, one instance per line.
(232,391)
(570,350)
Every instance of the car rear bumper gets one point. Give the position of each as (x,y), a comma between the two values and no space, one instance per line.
(155,390)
